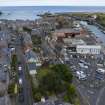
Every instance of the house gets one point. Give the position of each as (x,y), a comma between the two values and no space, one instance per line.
(31,57)
(51,102)
(32,68)
(33,61)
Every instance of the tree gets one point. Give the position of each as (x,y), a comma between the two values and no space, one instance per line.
(11,88)
(70,95)
(36,40)
(71,90)
(13,71)
(49,81)
(27,29)
(54,78)
(63,71)
(14,62)
(63,22)
(37,96)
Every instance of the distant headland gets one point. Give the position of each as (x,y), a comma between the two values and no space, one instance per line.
(1,13)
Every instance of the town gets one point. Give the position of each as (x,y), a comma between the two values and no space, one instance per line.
(57,59)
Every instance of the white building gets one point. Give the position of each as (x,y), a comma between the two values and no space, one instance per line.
(88,49)
(74,41)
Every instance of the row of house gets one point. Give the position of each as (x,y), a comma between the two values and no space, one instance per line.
(4,66)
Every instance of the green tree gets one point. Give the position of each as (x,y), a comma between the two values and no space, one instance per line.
(49,81)
(14,62)
(37,96)
(11,88)
(63,22)
(36,40)
(70,95)
(63,71)
(27,29)
(54,78)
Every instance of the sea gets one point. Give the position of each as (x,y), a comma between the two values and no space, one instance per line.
(30,12)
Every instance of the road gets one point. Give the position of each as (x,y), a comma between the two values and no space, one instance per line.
(101,97)
(26,82)
(95,96)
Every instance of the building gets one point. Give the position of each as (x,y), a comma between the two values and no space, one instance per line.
(71,44)
(88,49)
(31,57)
(33,61)
(32,68)
(51,102)
(73,41)
(65,33)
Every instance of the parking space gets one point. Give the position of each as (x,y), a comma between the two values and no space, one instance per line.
(88,69)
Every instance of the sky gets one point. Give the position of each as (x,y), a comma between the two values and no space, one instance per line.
(52,2)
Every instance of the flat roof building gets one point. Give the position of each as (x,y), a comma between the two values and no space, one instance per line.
(88,49)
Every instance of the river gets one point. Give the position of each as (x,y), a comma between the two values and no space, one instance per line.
(96,31)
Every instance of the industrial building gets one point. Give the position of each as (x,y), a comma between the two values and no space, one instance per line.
(88,49)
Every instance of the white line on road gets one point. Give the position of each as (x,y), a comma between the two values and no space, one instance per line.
(84,97)
(100,94)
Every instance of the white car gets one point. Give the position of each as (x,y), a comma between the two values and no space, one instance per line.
(100,70)
(86,67)
(83,66)
(19,68)
(81,75)
(20,81)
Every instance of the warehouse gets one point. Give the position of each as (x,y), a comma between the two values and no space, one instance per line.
(88,49)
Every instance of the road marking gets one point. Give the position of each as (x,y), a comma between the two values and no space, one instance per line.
(84,97)
(100,94)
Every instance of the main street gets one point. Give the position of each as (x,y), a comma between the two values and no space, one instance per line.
(26,83)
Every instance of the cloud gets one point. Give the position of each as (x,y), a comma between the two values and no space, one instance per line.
(52,2)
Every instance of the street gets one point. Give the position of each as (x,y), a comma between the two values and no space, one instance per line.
(26,83)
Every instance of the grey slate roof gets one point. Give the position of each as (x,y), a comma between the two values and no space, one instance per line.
(31,66)
(67,30)
(30,54)
(48,102)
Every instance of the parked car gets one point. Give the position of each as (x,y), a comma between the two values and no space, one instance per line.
(100,70)
(19,68)
(83,66)
(20,81)
(99,76)
(81,75)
